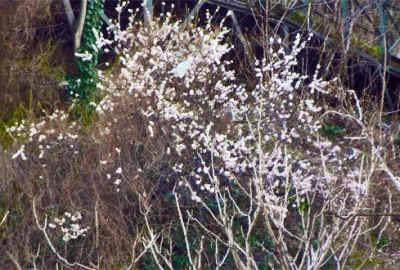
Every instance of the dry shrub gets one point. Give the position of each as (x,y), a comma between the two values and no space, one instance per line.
(122,170)
(64,173)
(29,56)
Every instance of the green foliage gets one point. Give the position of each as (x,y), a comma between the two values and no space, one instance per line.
(378,243)
(329,264)
(314,244)
(84,113)
(398,140)
(298,16)
(212,204)
(332,130)
(179,261)
(180,241)
(254,239)
(382,241)
(15,119)
(211,247)
(5,138)
(169,196)
(318,222)
(84,86)
(149,263)
(374,50)
(304,205)
(357,259)
(263,265)
(268,244)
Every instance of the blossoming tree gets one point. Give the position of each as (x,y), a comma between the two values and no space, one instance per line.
(252,180)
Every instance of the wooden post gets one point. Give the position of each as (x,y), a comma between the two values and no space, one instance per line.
(245,43)
(147,12)
(194,12)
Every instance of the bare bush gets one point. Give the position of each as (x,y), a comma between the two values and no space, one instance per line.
(30,59)
(184,167)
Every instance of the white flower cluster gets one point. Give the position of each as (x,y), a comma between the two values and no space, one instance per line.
(85,56)
(69,226)
(42,132)
(179,79)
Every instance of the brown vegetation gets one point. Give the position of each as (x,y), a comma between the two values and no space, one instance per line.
(120,177)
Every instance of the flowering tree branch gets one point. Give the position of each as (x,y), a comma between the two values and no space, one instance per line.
(43,229)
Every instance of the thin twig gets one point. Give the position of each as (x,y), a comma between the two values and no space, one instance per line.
(14,260)
(43,229)
(364,215)
(4,218)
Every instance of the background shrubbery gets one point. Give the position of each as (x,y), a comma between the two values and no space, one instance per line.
(201,171)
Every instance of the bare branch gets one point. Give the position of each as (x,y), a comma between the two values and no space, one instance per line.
(43,229)
(4,218)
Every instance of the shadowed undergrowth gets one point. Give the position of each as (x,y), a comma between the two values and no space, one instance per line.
(185,165)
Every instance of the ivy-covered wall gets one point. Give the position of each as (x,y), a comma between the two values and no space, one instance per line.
(83,84)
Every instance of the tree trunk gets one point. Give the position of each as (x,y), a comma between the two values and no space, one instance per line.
(75,24)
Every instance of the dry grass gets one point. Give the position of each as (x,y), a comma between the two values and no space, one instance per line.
(30,59)
(66,180)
